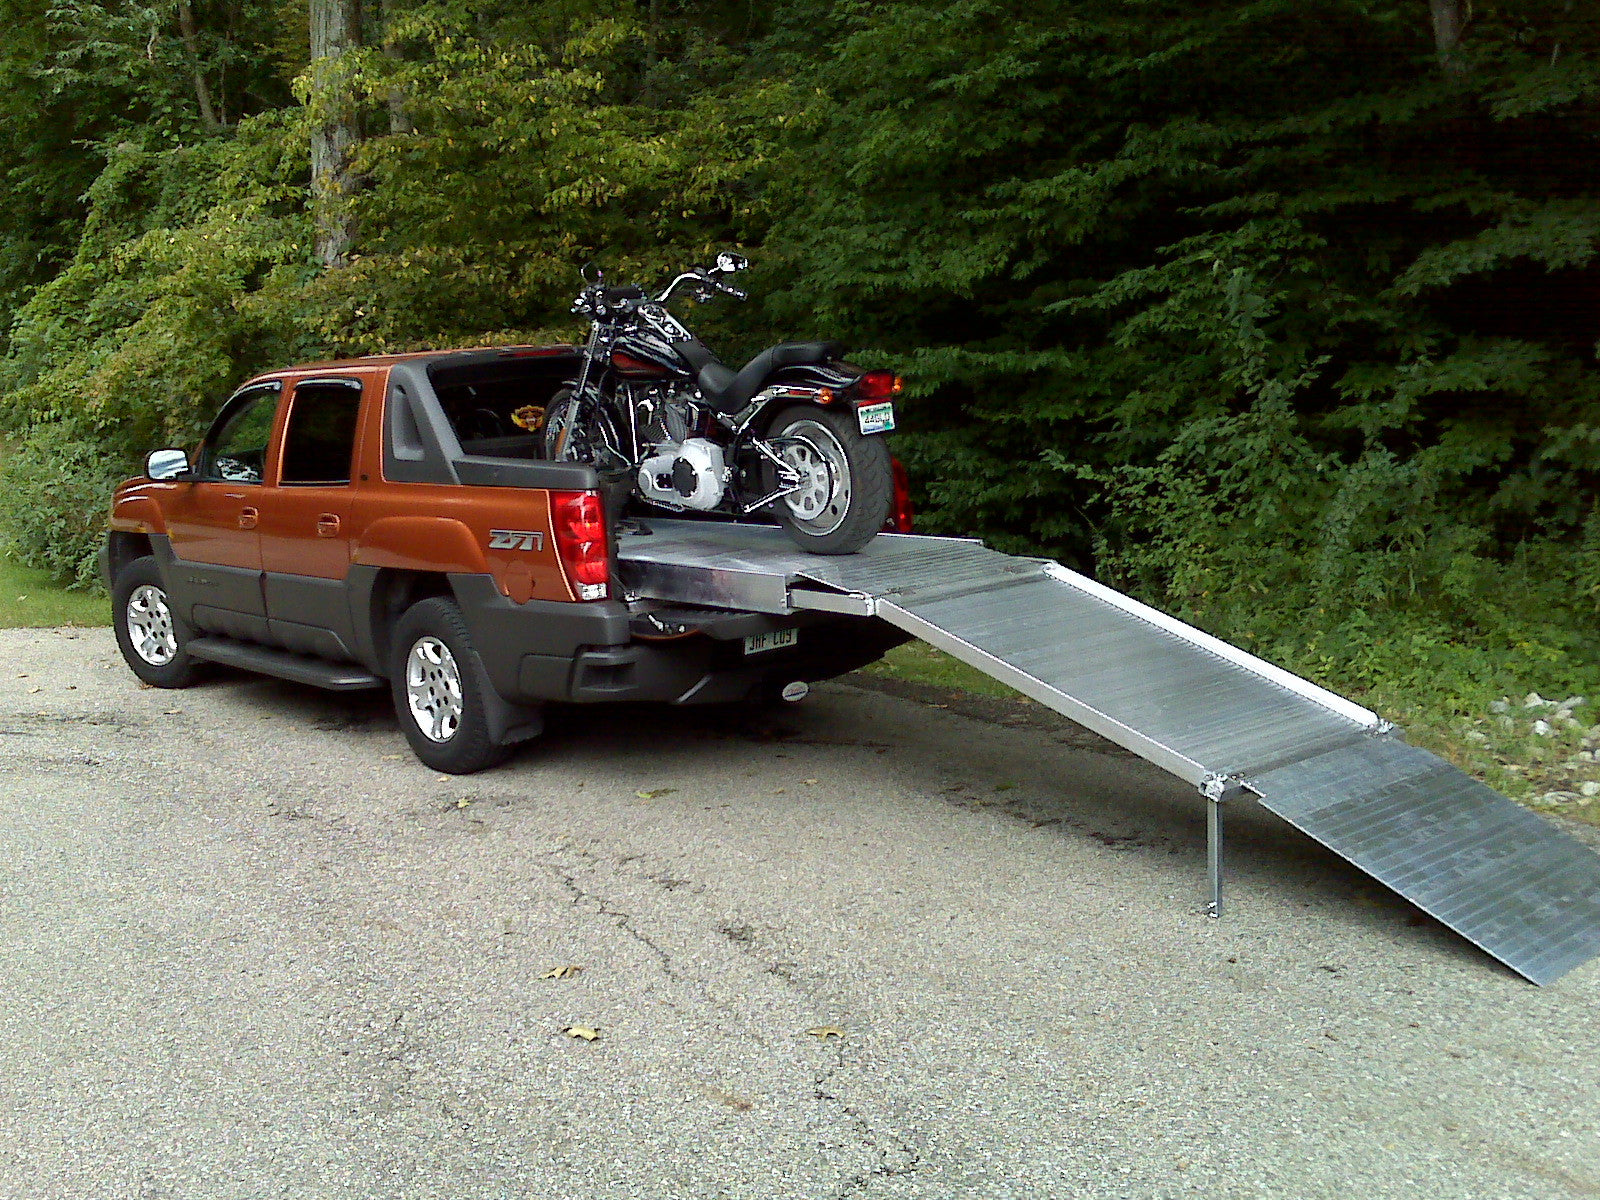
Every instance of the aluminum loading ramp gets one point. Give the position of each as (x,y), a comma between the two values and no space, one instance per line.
(1209,713)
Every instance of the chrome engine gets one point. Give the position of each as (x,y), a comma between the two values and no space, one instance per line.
(678,471)
(688,474)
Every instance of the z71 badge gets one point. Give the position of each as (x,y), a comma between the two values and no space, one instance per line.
(516,539)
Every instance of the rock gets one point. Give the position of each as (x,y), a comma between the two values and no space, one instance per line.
(1590,788)
(1542,729)
(1477,735)
(1534,700)
(1573,701)
(1501,705)
(1558,797)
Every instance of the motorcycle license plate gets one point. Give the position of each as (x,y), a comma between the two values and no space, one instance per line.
(777,639)
(875,418)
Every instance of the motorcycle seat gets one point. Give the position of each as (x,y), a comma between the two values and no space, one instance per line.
(728,390)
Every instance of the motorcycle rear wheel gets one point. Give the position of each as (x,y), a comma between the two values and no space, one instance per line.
(848,479)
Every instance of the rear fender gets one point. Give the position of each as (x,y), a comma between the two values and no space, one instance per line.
(435,544)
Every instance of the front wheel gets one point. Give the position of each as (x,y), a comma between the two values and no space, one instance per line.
(846,480)
(153,639)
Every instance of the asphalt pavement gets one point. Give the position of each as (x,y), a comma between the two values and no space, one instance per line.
(859,947)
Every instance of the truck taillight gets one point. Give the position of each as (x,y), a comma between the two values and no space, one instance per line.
(579,519)
(901,516)
(878,385)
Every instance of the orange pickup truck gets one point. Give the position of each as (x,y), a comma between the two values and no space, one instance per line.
(392,521)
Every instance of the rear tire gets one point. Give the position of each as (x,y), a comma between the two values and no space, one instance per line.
(850,480)
(152,638)
(441,692)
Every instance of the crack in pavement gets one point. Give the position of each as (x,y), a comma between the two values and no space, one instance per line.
(565,874)
(870,1137)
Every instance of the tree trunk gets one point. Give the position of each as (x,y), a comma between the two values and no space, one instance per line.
(395,100)
(335,29)
(191,47)
(1450,19)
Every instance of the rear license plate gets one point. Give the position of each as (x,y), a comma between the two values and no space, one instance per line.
(756,643)
(875,418)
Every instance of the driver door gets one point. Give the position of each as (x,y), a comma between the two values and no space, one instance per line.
(216,578)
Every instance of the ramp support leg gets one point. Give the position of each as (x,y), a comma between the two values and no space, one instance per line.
(1218,790)
(1214,855)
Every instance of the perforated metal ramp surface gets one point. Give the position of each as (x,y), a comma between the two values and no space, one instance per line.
(1206,711)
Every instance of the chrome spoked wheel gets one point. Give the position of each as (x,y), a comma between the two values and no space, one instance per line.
(821,502)
(150,629)
(433,688)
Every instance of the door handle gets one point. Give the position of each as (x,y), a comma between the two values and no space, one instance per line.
(327,525)
(247,517)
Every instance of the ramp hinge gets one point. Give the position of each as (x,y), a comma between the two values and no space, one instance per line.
(1220,788)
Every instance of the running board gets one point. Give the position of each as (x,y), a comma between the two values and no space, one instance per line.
(1219,718)
(297,668)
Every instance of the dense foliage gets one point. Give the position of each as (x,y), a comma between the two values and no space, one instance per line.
(1280,313)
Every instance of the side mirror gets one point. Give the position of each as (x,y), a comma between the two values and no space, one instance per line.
(167,464)
(729,262)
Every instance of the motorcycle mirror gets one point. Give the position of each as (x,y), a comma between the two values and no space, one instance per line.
(729,262)
(585,270)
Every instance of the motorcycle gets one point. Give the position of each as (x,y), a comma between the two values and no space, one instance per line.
(796,433)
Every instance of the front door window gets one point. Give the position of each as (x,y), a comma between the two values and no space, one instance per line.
(237,450)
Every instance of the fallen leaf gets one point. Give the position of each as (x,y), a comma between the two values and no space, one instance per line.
(172,712)
(1004,787)
(808,781)
(824,1032)
(32,690)
(566,972)
(655,794)
(463,801)
(581,1031)
(393,757)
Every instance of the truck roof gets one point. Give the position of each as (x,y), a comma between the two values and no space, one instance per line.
(463,356)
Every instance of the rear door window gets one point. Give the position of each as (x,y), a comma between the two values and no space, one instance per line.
(319,441)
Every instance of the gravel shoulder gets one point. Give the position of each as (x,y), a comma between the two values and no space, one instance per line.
(253,948)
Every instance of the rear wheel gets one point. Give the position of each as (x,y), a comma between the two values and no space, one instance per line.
(152,638)
(441,691)
(846,480)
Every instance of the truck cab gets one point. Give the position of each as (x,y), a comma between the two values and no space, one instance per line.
(393,522)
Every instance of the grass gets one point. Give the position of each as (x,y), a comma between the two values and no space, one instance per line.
(919,662)
(30,599)
(1532,752)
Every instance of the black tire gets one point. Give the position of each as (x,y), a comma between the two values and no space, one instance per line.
(844,515)
(150,635)
(435,662)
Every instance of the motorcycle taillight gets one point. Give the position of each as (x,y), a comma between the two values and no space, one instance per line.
(878,385)
(579,519)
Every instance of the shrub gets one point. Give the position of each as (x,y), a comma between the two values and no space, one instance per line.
(57,485)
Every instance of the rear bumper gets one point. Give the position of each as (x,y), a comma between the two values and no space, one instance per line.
(587,653)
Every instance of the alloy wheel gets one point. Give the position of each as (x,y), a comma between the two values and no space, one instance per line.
(150,625)
(433,688)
